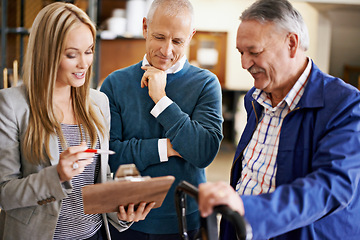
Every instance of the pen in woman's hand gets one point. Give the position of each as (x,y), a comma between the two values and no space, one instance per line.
(99,151)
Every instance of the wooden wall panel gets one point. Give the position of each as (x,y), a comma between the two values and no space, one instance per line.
(119,53)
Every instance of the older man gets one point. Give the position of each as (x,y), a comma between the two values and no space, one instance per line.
(165,115)
(297,165)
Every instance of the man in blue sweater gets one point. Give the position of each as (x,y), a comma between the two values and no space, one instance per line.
(165,116)
(296,169)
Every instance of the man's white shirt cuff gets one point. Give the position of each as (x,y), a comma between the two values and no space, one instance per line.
(161,105)
(162,148)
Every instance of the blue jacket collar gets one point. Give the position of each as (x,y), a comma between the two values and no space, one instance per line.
(314,92)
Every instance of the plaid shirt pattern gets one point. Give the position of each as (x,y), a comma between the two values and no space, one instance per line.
(259,157)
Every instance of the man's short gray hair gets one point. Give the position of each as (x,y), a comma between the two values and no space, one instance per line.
(171,8)
(283,14)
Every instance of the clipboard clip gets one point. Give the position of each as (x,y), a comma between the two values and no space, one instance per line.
(129,172)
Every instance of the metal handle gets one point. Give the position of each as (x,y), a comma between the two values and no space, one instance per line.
(243,229)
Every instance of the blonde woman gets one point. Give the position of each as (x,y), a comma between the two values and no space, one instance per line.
(45,127)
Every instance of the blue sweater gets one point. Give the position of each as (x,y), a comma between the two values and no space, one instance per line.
(193,123)
(318,167)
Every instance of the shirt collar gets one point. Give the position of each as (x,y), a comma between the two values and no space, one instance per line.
(173,69)
(294,95)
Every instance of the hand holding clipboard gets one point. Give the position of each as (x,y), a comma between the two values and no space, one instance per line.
(128,187)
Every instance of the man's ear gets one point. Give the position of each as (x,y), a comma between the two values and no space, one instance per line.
(192,34)
(293,43)
(145,27)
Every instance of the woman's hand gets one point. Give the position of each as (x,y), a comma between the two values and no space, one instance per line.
(73,162)
(134,216)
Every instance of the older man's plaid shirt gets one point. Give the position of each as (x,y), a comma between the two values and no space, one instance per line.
(259,158)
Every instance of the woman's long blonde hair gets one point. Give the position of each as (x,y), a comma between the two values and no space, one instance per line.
(46,44)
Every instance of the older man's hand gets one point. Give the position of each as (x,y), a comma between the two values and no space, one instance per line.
(219,193)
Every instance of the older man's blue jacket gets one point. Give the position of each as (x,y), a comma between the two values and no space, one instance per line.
(318,167)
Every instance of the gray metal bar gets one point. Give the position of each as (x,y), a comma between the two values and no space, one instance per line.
(92,11)
(93,14)
(22,24)
(3,39)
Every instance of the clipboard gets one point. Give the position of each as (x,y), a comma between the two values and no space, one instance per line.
(107,197)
